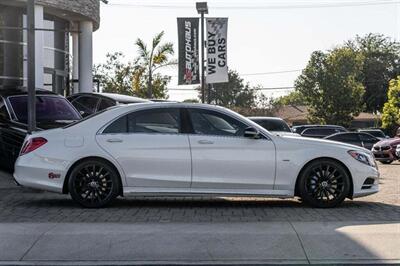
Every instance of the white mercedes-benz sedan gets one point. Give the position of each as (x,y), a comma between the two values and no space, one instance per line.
(189,149)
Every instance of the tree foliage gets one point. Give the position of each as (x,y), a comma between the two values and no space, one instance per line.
(145,82)
(391,109)
(381,63)
(331,87)
(234,93)
(293,98)
(115,76)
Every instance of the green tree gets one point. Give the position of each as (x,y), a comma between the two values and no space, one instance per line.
(145,81)
(115,76)
(234,93)
(391,109)
(381,63)
(330,86)
(293,98)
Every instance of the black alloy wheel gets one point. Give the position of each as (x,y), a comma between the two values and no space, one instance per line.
(324,184)
(93,184)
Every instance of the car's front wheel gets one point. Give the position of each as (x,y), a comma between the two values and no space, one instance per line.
(324,184)
(387,162)
(93,183)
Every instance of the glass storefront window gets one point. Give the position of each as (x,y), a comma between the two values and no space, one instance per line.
(13,50)
(11,47)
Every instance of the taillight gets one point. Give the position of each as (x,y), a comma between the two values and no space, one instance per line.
(32,144)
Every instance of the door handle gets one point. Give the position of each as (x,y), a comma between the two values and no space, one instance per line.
(203,141)
(114,140)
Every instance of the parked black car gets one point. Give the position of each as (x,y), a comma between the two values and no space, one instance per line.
(356,138)
(90,103)
(274,124)
(52,111)
(317,131)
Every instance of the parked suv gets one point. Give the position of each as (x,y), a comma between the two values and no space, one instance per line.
(90,103)
(52,111)
(385,150)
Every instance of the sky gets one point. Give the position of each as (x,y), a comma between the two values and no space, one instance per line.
(263,36)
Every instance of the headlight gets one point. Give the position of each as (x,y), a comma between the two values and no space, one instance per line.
(363,158)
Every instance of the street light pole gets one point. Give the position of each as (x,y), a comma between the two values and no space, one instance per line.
(31,67)
(202,9)
(203,79)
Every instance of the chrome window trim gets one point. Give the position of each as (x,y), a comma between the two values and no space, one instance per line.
(100,131)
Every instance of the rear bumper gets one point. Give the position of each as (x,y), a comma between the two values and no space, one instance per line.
(37,172)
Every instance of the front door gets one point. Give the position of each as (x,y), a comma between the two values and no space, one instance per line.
(150,148)
(222,158)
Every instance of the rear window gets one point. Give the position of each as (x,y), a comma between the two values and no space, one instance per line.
(273,125)
(48,108)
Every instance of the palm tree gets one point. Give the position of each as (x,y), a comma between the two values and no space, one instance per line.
(149,60)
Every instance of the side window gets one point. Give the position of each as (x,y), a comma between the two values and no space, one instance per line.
(118,126)
(368,138)
(349,137)
(86,105)
(105,103)
(213,123)
(155,121)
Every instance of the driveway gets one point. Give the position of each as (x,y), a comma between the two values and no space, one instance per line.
(43,227)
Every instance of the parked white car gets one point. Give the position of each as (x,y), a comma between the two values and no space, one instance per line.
(189,149)
(398,151)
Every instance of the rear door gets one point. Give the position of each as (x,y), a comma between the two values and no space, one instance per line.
(150,147)
(222,158)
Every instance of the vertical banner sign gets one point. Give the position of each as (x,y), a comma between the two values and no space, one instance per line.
(188,39)
(217,66)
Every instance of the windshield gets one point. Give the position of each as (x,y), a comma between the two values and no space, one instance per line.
(48,108)
(375,133)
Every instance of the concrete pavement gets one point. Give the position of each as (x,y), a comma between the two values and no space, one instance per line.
(215,243)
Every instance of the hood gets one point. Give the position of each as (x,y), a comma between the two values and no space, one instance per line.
(284,133)
(388,142)
(322,142)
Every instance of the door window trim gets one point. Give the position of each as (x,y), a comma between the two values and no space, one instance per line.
(193,133)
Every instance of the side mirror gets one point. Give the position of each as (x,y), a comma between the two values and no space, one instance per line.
(251,133)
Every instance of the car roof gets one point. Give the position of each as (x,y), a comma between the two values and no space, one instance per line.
(311,126)
(114,96)
(369,129)
(23,91)
(264,118)
(349,133)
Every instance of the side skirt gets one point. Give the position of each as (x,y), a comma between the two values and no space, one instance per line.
(154,191)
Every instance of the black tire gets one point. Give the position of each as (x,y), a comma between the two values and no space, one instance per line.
(93,183)
(387,162)
(324,184)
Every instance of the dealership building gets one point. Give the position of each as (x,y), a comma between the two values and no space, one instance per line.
(63,44)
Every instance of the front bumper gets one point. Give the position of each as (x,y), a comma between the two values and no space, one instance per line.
(387,155)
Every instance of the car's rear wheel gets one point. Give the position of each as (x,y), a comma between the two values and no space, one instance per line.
(324,184)
(387,162)
(93,183)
